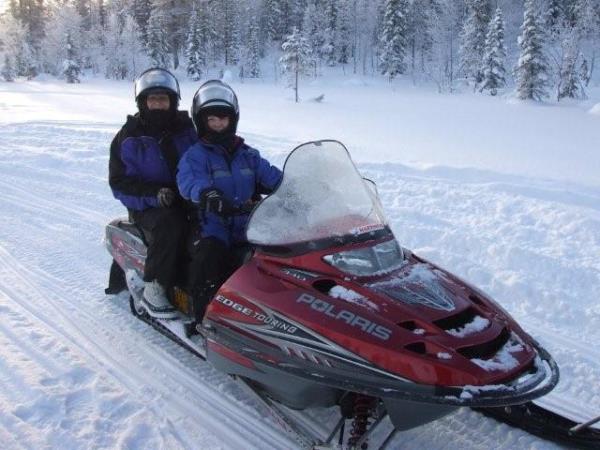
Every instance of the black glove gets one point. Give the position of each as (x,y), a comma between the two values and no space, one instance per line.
(166,197)
(212,200)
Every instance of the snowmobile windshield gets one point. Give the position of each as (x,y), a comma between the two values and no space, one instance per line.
(322,195)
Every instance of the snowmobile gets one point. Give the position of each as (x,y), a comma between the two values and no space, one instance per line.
(328,310)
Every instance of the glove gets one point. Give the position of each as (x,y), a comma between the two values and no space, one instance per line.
(213,201)
(166,197)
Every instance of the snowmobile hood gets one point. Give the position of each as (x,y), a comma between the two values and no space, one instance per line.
(330,287)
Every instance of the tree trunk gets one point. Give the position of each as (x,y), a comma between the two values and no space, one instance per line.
(296,83)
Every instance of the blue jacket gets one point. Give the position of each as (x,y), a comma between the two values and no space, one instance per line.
(239,176)
(141,163)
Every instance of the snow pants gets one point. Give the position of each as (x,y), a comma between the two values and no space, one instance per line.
(165,230)
(212,263)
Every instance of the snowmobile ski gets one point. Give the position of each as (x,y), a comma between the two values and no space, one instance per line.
(546,424)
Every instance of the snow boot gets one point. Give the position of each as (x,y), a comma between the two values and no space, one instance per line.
(156,302)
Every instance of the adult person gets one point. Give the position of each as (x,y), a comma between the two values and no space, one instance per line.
(221,175)
(143,161)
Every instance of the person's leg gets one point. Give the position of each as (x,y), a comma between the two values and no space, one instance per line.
(208,269)
(164,230)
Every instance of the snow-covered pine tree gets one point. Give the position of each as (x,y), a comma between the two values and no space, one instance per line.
(393,38)
(8,68)
(577,27)
(329,33)
(275,19)
(585,72)
(296,59)
(230,31)
(158,45)
(14,9)
(84,8)
(101,14)
(553,16)
(33,15)
(13,41)
(122,47)
(173,28)
(295,12)
(116,66)
(252,54)
(494,71)
(421,26)
(532,68)
(472,40)
(344,43)
(570,85)
(71,68)
(141,10)
(314,26)
(197,40)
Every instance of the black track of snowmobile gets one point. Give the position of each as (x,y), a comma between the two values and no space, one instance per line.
(543,423)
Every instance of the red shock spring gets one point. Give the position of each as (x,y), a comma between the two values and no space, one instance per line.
(362,410)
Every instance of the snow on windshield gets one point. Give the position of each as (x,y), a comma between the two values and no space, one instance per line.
(321,195)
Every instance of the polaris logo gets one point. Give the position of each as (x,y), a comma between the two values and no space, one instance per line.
(354,320)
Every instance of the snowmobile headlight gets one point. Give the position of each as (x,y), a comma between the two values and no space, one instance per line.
(368,261)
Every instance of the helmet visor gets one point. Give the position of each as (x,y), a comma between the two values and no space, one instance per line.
(215,94)
(156,79)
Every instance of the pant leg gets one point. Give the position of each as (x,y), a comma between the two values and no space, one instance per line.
(209,268)
(165,230)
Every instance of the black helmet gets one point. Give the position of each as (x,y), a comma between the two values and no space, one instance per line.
(156,80)
(214,95)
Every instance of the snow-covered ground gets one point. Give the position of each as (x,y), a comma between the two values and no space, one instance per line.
(505,194)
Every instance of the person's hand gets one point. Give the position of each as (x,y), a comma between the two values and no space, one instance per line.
(212,200)
(166,197)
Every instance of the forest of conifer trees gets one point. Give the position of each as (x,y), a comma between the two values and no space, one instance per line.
(540,48)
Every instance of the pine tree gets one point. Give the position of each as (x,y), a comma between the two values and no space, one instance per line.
(275,19)
(158,45)
(141,13)
(532,67)
(393,38)
(252,58)
(296,58)
(8,69)
(197,42)
(421,22)
(579,26)
(14,10)
(553,16)
(84,8)
(585,72)
(229,31)
(71,68)
(494,72)
(13,39)
(343,44)
(122,47)
(330,32)
(314,25)
(473,39)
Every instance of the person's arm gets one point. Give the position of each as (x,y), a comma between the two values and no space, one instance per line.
(192,175)
(267,175)
(128,186)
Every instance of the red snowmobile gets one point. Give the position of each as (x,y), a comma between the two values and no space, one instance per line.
(329,310)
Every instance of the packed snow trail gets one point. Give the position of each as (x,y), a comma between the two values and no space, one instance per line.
(78,371)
